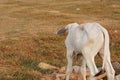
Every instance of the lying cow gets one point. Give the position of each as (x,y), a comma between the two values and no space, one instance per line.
(88,39)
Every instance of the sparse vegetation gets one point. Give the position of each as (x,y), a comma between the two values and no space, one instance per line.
(27,33)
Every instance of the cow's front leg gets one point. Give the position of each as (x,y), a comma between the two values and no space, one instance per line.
(69,65)
(83,69)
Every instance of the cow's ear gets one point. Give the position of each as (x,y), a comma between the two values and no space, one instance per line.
(62,30)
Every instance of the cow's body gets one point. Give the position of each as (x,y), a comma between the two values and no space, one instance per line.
(88,39)
(82,36)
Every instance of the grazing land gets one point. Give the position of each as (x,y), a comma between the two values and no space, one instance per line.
(27,33)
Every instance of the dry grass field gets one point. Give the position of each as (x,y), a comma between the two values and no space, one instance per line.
(27,33)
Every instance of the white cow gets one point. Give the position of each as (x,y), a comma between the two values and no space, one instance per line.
(88,39)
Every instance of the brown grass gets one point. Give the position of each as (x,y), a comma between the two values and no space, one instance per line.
(27,32)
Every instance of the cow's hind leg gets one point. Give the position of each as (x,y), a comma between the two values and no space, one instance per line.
(107,66)
(91,65)
(89,57)
(109,69)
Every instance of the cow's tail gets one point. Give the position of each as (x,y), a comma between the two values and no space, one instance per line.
(106,51)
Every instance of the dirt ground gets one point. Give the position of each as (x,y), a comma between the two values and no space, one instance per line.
(27,30)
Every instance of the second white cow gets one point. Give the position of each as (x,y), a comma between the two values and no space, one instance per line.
(88,39)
